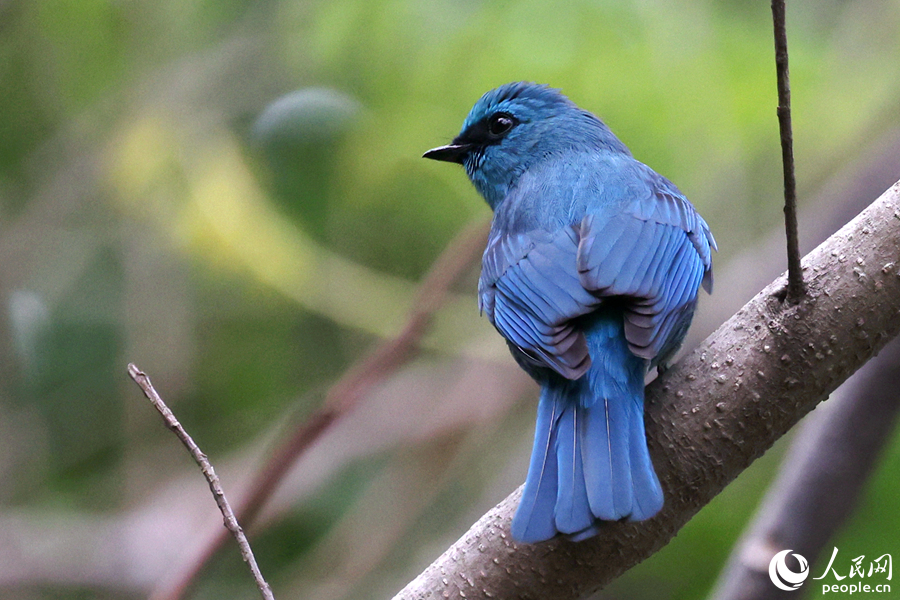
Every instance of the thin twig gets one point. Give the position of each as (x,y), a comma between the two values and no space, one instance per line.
(795,287)
(231,521)
(346,393)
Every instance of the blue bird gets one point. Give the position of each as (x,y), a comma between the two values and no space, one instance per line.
(591,274)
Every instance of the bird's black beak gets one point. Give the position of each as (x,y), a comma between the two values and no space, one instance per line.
(450,153)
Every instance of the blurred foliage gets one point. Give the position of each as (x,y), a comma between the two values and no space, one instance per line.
(229,194)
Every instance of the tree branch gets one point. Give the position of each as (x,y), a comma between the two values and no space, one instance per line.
(795,273)
(821,478)
(709,416)
(344,395)
(231,523)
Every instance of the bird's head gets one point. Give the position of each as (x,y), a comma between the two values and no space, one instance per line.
(515,126)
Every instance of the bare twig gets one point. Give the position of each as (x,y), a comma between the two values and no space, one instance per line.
(795,288)
(709,416)
(231,522)
(346,393)
(821,478)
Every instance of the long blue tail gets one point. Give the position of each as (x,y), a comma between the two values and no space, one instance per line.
(590,460)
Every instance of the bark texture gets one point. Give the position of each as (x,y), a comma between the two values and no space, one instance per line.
(821,479)
(709,416)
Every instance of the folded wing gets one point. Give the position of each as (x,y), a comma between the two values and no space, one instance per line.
(655,254)
(652,251)
(531,292)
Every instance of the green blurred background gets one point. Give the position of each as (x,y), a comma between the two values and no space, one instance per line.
(229,194)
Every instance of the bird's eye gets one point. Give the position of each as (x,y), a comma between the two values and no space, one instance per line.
(500,123)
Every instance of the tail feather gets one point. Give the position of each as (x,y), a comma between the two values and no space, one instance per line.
(648,496)
(534,520)
(608,460)
(590,461)
(573,512)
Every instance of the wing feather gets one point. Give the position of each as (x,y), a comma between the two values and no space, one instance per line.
(530,291)
(655,254)
(642,243)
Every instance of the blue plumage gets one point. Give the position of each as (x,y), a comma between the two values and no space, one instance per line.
(591,274)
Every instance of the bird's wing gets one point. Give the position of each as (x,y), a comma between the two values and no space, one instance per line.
(530,291)
(655,250)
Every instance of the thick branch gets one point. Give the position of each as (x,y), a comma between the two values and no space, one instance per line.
(709,416)
(820,480)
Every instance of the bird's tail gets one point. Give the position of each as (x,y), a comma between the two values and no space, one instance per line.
(590,460)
